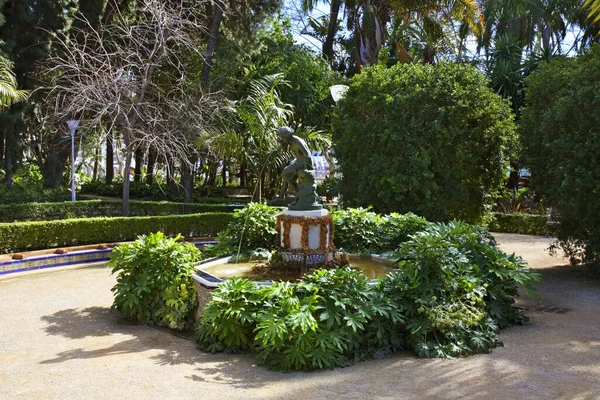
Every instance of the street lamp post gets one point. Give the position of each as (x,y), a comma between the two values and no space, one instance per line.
(73,123)
(338,91)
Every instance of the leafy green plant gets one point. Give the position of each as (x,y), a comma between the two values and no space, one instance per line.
(229,319)
(361,230)
(252,227)
(357,229)
(456,289)
(520,200)
(154,281)
(330,318)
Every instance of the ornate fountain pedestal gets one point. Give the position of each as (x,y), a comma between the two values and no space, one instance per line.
(305,237)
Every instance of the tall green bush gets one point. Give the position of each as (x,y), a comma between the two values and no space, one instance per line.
(561,144)
(154,280)
(433,140)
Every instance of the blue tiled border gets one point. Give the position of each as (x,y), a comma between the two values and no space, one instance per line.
(59,260)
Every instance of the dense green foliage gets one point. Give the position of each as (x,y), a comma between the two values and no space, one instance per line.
(26,192)
(456,288)
(452,292)
(155,191)
(24,236)
(526,224)
(251,228)
(433,140)
(355,230)
(359,230)
(154,282)
(559,129)
(100,208)
(330,318)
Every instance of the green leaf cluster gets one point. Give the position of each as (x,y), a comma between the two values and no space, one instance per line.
(456,289)
(330,318)
(452,293)
(154,282)
(360,230)
(252,227)
(433,140)
(561,143)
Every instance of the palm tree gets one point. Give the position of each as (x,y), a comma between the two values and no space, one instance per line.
(254,143)
(9,94)
(261,113)
(594,6)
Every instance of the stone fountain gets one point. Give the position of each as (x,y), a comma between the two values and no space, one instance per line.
(305,229)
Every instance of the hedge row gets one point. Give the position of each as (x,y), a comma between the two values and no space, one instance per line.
(24,236)
(100,208)
(527,224)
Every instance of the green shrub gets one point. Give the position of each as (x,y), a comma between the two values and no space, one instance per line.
(23,236)
(433,140)
(455,289)
(155,192)
(331,318)
(26,192)
(154,280)
(252,227)
(561,143)
(99,208)
(526,224)
(359,230)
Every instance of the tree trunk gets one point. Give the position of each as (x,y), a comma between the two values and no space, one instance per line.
(171,185)
(126,173)
(224,172)
(139,159)
(334,10)
(9,168)
(110,160)
(55,163)
(187,178)
(211,178)
(1,147)
(212,39)
(151,164)
(96,163)
(243,182)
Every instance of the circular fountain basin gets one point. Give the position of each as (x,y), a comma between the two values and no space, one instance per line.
(373,268)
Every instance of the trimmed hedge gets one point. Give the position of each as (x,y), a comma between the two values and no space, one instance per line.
(24,236)
(526,224)
(99,208)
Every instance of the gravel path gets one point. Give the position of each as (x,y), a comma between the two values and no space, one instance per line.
(60,340)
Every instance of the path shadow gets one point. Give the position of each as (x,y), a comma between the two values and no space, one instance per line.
(78,324)
(97,322)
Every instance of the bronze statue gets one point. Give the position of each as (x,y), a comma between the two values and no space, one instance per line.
(299,173)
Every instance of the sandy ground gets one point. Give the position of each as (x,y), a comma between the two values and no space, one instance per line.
(60,340)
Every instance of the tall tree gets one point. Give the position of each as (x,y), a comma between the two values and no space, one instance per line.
(29,35)
(133,74)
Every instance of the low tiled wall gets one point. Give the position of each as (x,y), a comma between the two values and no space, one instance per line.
(54,260)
